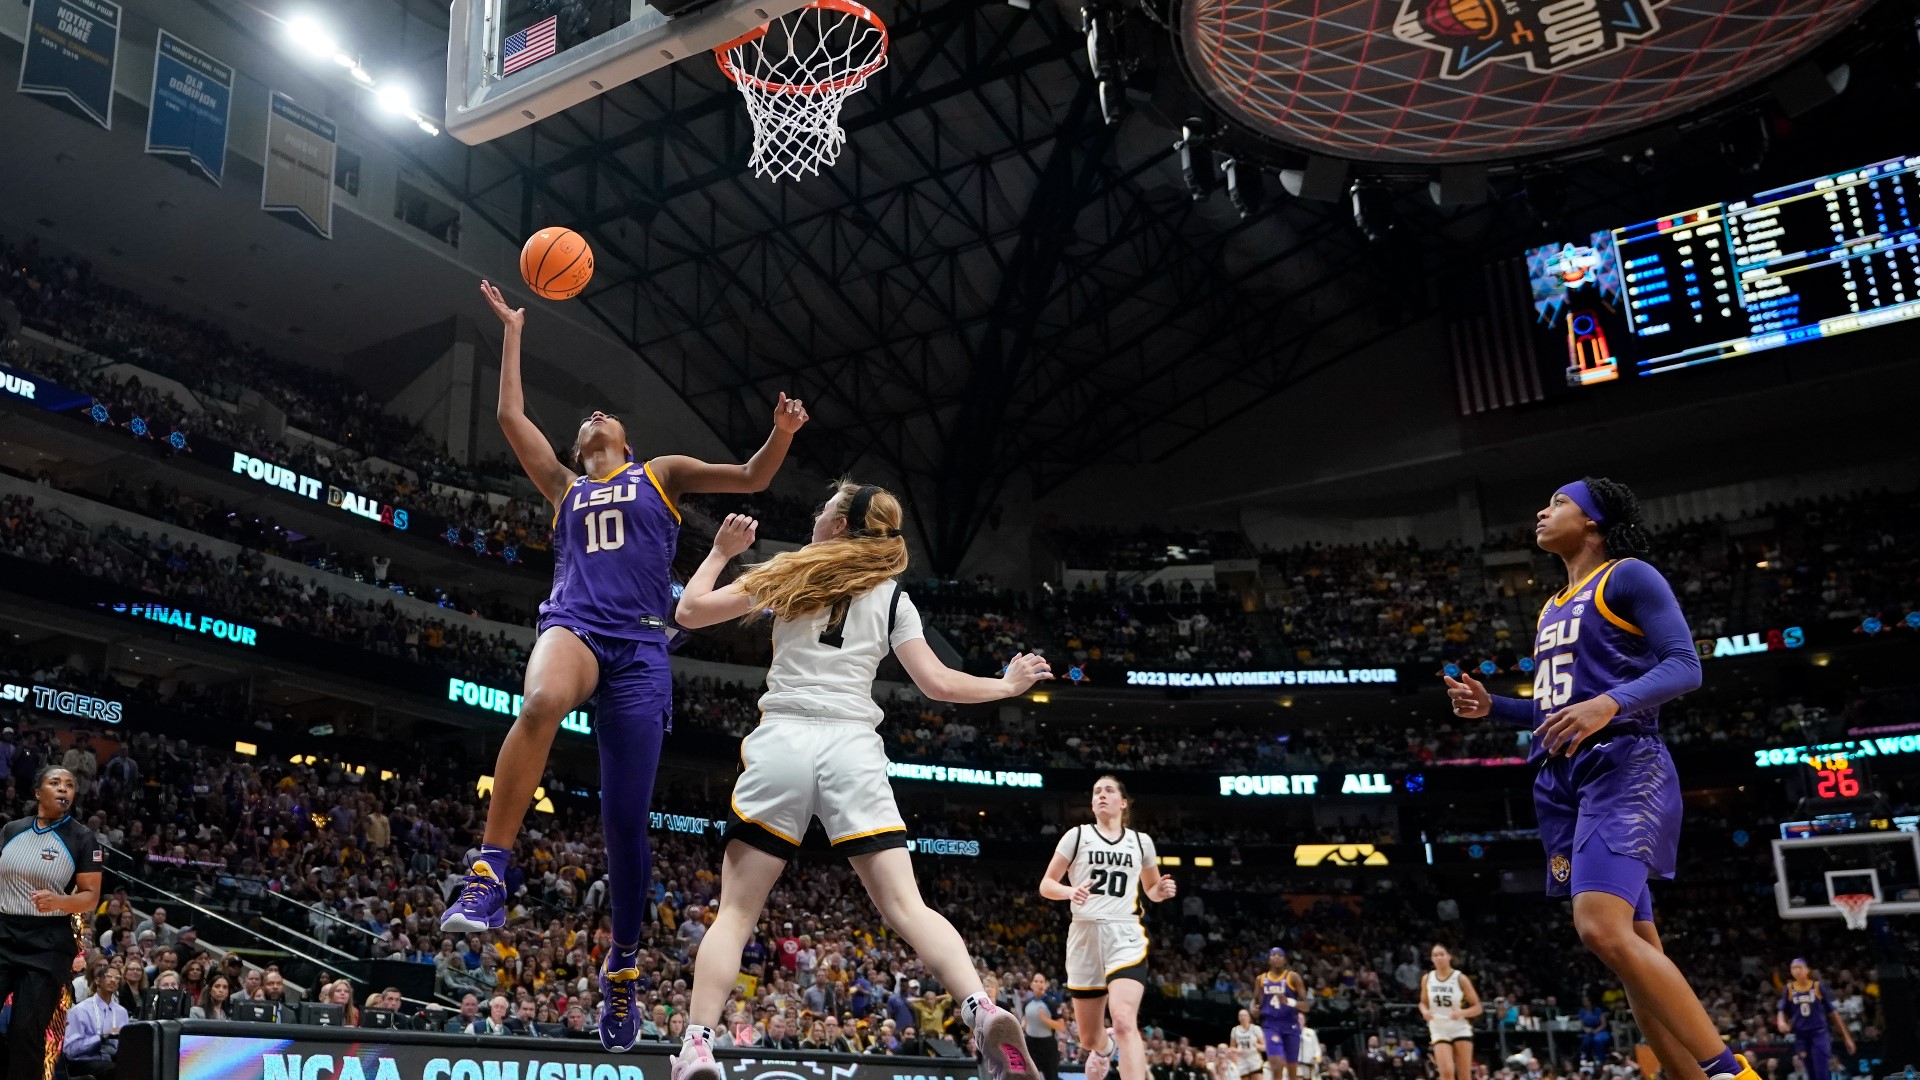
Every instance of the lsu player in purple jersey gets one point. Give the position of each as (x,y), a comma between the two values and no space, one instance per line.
(1610,649)
(602,630)
(1281,1001)
(1805,1012)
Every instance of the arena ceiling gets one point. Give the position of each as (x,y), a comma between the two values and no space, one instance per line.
(994,282)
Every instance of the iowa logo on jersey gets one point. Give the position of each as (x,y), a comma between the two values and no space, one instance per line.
(1545,35)
(1338,855)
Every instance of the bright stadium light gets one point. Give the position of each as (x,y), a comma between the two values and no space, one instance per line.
(311,36)
(395,98)
(361,75)
(425,125)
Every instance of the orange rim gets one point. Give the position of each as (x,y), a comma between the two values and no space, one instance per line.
(847,7)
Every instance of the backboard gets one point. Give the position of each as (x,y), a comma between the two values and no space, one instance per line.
(1810,871)
(512,62)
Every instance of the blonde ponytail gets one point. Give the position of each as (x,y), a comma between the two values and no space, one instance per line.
(828,575)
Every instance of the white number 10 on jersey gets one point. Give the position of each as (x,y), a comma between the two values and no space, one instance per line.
(606,530)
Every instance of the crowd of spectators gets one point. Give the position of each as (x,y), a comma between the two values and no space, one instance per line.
(915,730)
(1812,561)
(63,298)
(374,858)
(244,588)
(1816,561)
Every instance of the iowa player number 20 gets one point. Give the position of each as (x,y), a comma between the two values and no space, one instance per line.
(606,530)
(1107,882)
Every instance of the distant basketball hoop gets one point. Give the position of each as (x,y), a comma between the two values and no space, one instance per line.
(795,73)
(1854,907)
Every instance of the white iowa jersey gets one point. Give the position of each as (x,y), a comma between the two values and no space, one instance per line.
(826,672)
(1445,998)
(1110,869)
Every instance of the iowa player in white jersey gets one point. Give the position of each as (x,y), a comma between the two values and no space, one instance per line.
(1107,867)
(1449,1003)
(837,609)
(1246,1042)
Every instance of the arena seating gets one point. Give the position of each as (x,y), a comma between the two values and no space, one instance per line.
(372,858)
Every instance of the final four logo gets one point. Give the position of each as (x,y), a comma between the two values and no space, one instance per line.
(1547,35)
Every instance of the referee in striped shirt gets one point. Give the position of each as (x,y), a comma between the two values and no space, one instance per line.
(49,873)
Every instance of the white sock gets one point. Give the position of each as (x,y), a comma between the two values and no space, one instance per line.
(971,1008)
(700,1031)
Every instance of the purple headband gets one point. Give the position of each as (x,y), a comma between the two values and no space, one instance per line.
(1583,498)
(1802,963)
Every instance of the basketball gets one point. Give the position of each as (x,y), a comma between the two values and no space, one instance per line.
(556,263)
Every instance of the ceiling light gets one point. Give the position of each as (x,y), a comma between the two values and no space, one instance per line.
(395,98)
(311,36)
(361,75)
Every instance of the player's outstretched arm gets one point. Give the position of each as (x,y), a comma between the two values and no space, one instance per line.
(681,474)
(700,603)
(532,449)
(942,683)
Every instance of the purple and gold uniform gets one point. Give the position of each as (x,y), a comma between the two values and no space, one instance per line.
(613,544)
(1280,1015)
(1806,1010)
(1610,814)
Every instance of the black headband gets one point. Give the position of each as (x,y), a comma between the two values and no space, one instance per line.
(857,514)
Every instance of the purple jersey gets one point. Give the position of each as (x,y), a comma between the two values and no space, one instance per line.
(1619,632)
(613,543)
(1806,1009)
(1275,993)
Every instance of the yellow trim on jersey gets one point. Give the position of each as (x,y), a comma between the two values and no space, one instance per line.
(1574,588)
(733,800)
(1131,963)
(869,832)
(663,491)
(735,803)
(614,473)
(1600,602)
(1089,989)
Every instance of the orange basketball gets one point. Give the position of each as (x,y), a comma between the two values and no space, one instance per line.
(556,263)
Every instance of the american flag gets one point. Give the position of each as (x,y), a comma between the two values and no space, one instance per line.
(532,44)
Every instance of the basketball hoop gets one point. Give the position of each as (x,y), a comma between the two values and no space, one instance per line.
(1853,908)
(795,73)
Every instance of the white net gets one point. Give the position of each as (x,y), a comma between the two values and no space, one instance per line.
(1854,908)
(796,74)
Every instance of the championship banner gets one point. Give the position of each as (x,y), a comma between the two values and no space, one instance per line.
(70,54)
(321,1053)
(192,96)
(20,386)
(299,176)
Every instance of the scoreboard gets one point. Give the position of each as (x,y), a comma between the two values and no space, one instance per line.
(1810,260)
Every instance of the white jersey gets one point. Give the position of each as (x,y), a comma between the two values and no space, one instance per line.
(1445,997)
(1110,869)
(1246,1042)
(1309,1046)
(826,672)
